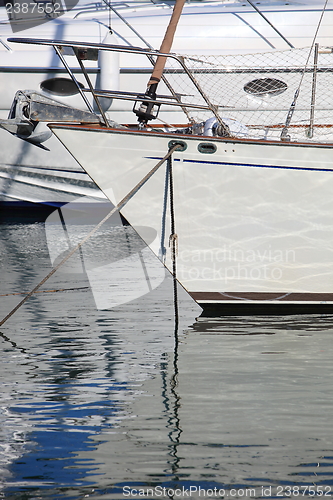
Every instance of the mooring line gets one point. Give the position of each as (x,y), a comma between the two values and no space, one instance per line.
(93,231)
(173,242)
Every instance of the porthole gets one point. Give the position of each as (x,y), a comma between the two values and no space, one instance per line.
(207,148)
(265,86)
(60,86)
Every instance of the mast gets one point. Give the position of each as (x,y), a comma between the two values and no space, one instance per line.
(148,110)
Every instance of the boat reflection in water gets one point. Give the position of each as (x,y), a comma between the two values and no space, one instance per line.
(247,412)
(94,401)
(69,370)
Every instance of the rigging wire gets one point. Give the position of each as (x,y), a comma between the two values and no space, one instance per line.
(284,134)
(270,24)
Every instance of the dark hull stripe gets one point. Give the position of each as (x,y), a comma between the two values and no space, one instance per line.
(203,162)
(261,303)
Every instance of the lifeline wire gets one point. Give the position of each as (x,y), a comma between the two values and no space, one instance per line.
(93,231)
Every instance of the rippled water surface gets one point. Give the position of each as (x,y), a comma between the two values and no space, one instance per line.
(110,404)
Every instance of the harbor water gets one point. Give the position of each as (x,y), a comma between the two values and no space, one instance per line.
(101,398)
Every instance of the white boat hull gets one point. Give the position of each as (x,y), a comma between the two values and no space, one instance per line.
(210,28)
(253,219)
(31,174)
